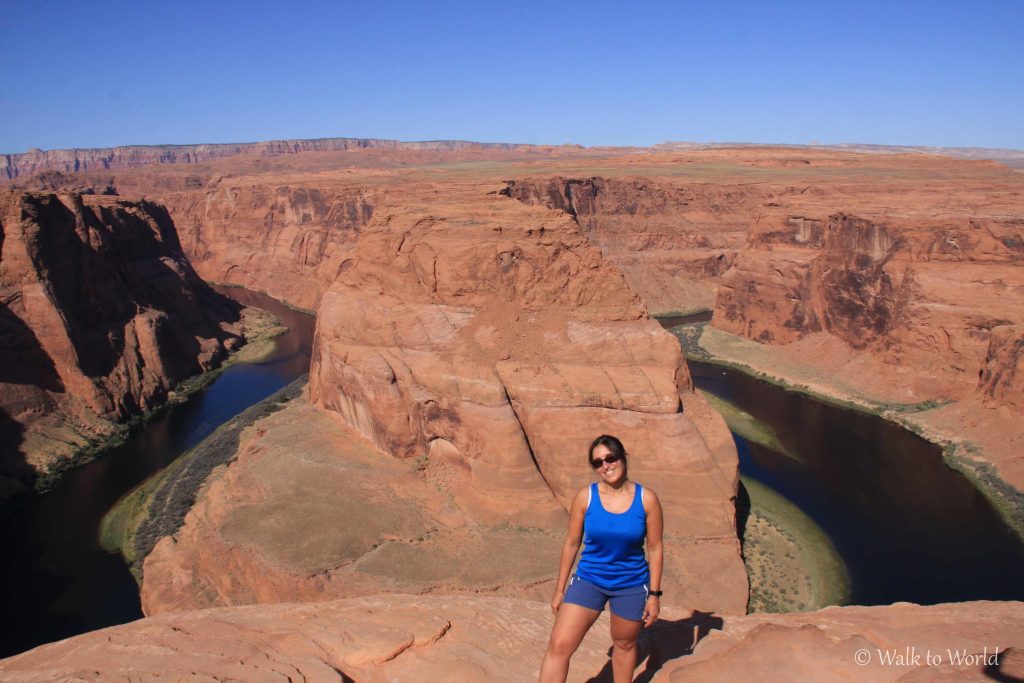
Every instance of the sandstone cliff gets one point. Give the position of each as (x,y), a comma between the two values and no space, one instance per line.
(921,291)
(101,315)
(912,297)
(491,336)
(897,277)
(672,240)
(287,239)
(478,344)
(137,156)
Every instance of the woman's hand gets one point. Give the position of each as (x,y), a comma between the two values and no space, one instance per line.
(556,601)
(651,610)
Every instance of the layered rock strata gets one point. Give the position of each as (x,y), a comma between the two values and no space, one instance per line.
(492,336)
(137,156)
(924,292)
(101,315)
(389,638)
(913,301)
(460,381)
(288,240)
(672,240)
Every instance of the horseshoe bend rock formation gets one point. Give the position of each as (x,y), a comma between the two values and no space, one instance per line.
(403,637)
(100,316)
(492,336)
(479,345)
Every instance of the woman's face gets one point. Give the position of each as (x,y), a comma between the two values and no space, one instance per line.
(610,473)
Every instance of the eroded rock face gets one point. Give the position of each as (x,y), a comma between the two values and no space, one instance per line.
(101,315)
(672,240)
(492,335)
(1001,380)
(290,241)
(481,346)
(919,287)
(138,156)
(410,638)
(312,511)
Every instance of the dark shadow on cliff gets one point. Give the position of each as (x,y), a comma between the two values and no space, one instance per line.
(663,642)
(17,477)
(106,264)
(22,362)
(22,358)
(742,512)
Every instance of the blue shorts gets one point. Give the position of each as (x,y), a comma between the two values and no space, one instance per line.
(627,603)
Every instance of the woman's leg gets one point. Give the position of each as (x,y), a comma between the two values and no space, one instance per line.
(624,635)
(571,624)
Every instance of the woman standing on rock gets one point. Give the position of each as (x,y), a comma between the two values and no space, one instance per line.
(617,515)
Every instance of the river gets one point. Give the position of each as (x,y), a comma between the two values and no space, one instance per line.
(907,526)
(57,581)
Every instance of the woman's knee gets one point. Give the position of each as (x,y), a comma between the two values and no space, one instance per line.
(562,646)
(624,644)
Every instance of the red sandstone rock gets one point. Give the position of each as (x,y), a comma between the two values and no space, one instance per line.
(671,240)
(902,642)
(101,316)
(311,511)
(1001,380)
(494,333)
(138,156)
(463,638)
(290,241)
(876,287)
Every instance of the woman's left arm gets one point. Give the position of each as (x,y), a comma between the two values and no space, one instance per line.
(655,553)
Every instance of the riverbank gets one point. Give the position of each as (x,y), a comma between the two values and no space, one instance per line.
(963,430)
(257,327)
(791,562)
(132,527)
(232,285)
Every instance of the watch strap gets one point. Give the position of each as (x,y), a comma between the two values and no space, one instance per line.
(656,594)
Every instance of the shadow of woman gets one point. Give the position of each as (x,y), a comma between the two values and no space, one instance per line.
(663,642)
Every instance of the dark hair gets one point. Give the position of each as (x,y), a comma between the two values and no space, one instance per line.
(613,445)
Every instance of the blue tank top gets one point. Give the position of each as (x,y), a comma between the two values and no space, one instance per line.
(613,550)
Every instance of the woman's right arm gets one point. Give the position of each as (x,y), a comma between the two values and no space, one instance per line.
(573,540)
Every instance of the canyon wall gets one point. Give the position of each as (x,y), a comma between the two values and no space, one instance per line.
(137,156)
(480,344)
(492,336)
(100,316)
(924,291)
(894,281)
(288,239)
(672,240)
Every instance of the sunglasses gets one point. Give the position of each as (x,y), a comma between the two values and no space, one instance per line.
(598,463)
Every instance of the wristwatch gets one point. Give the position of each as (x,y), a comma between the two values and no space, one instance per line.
(656,594)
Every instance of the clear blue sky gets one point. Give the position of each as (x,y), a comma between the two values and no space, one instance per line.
(95,74)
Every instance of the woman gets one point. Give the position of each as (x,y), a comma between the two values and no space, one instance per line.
(616,514)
